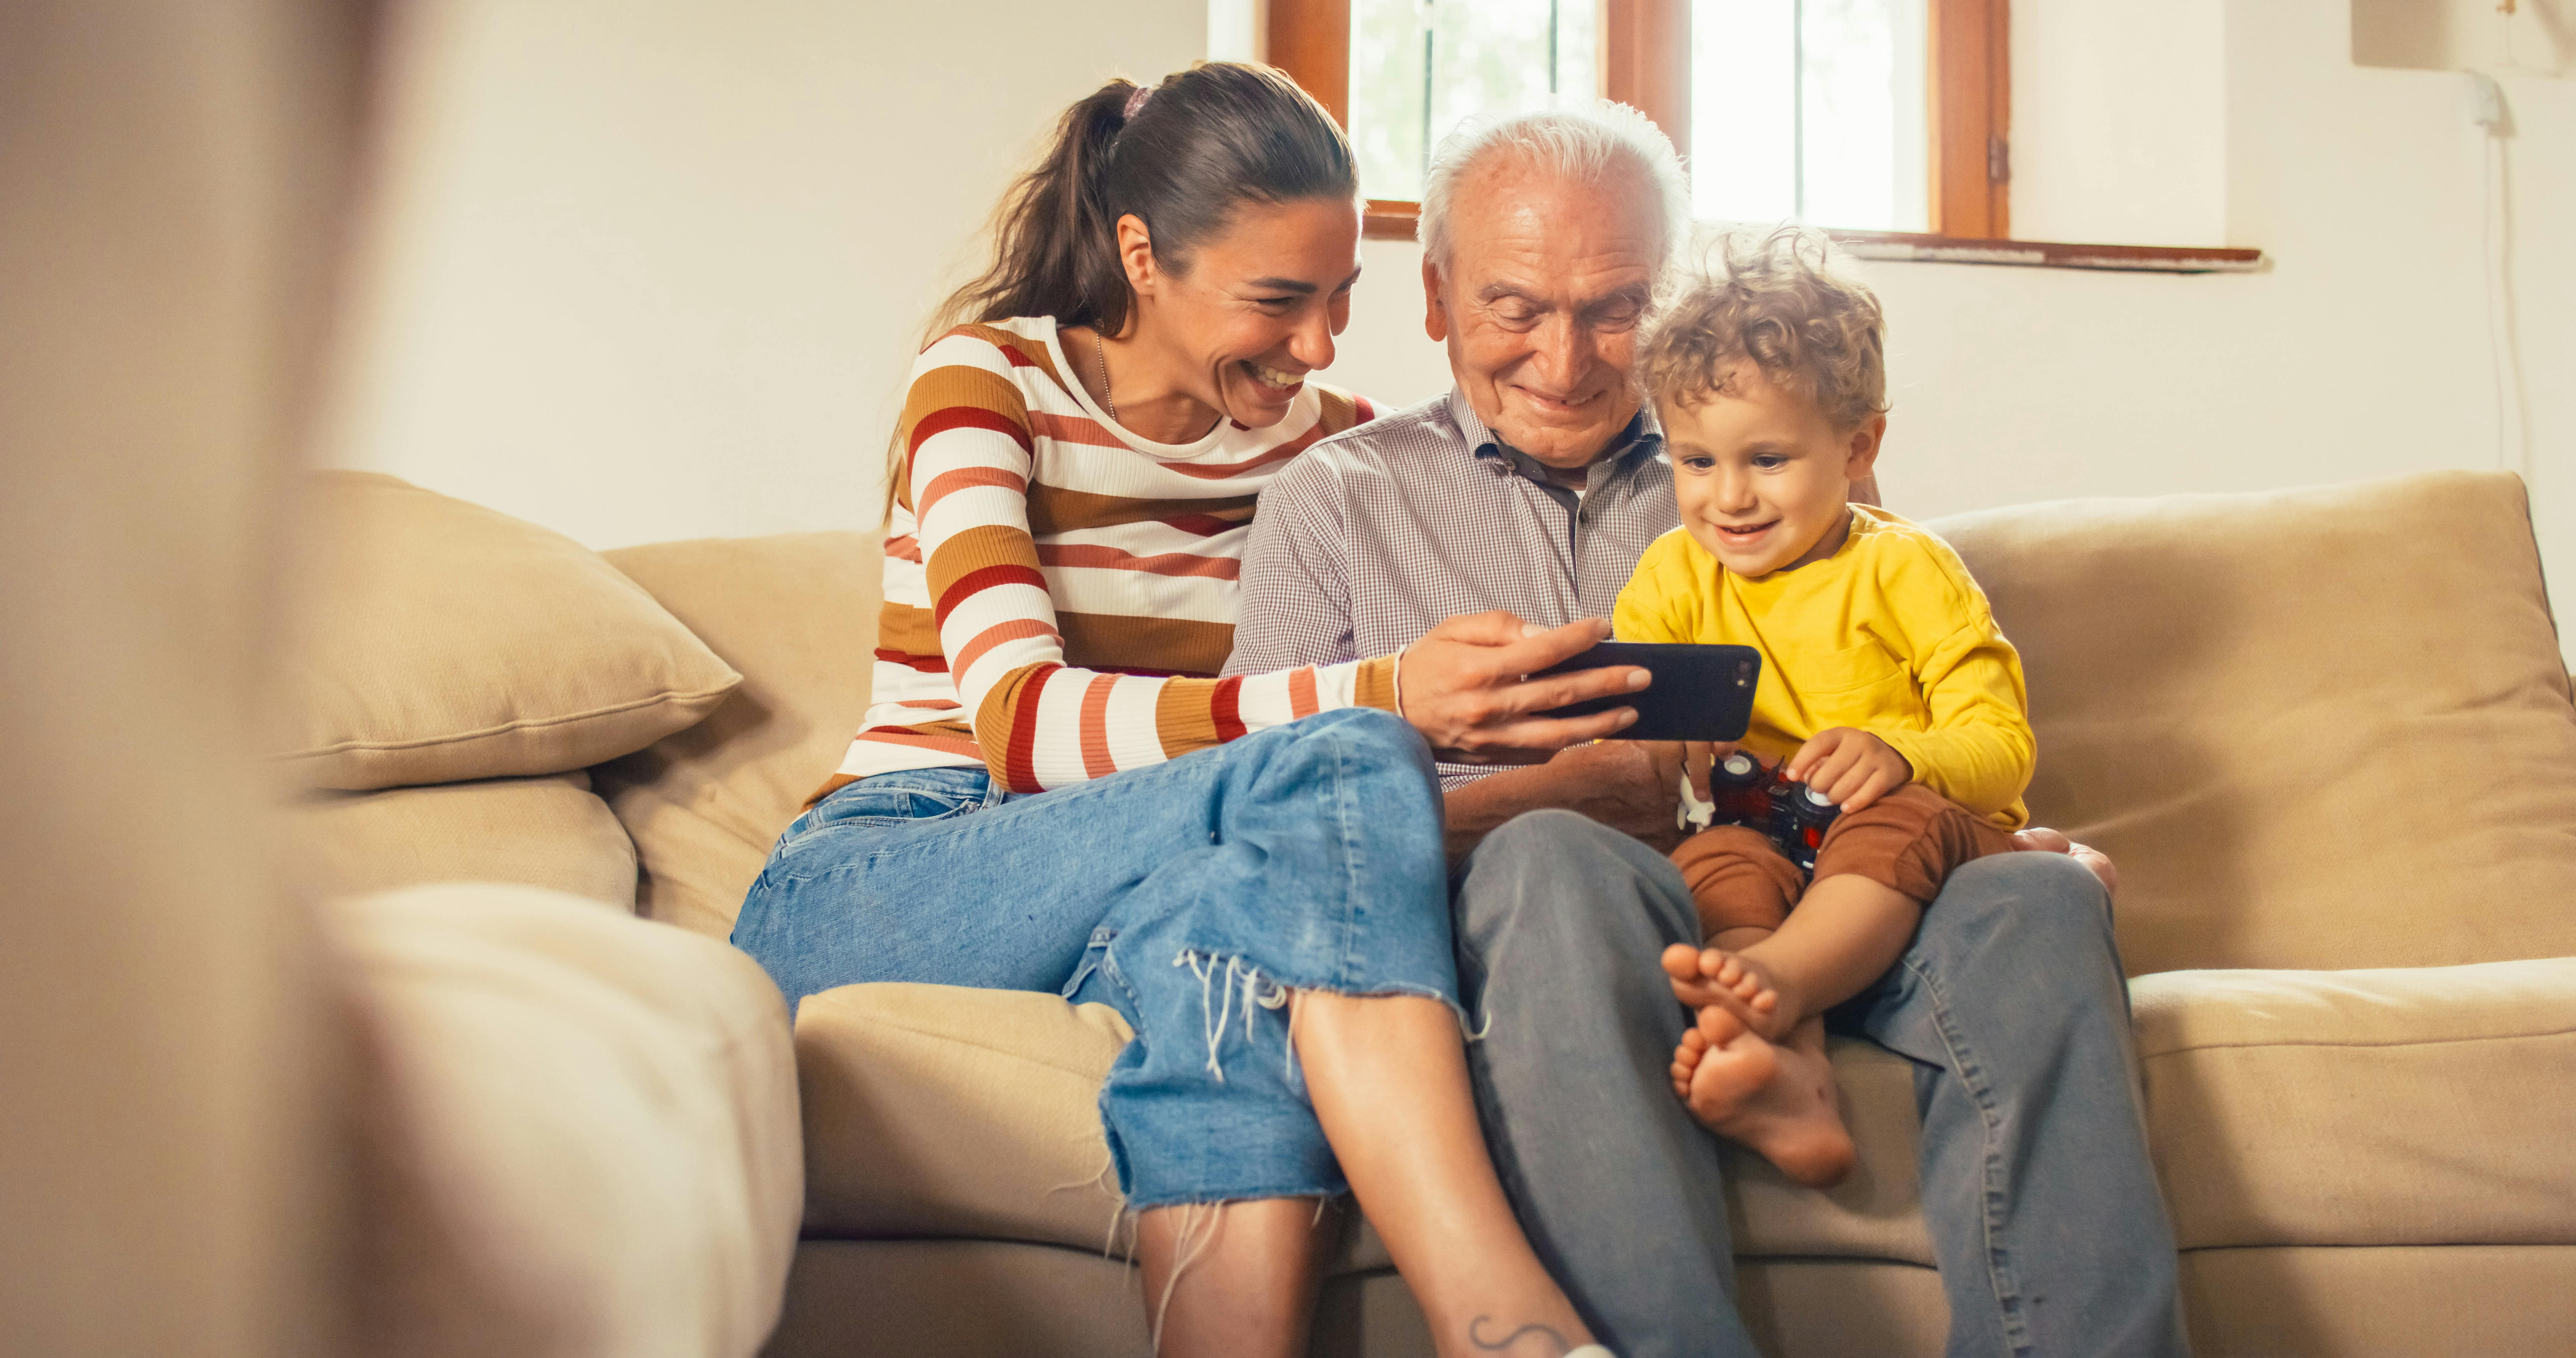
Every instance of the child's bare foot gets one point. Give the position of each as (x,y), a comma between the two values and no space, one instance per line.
(1777,1101)
(1735,981)
(2041,839)
(1697,987)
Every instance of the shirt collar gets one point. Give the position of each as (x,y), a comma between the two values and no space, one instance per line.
(1643,436)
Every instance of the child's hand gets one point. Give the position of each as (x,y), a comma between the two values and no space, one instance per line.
(1850,766)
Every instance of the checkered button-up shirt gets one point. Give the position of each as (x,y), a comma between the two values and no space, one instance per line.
(1379,533)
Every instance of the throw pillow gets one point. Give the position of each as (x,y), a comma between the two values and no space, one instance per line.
(443,641)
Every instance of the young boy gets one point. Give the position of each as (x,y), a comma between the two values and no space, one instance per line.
(1885,683)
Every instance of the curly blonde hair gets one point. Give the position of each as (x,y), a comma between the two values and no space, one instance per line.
(1784,300)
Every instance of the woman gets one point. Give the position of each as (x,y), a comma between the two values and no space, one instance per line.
(1075,473)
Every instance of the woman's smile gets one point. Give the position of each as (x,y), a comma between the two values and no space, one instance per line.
(1283,383)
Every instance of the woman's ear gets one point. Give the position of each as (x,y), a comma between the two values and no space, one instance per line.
(1136,254)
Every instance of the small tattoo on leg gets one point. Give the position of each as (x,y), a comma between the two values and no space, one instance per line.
(1476,1337)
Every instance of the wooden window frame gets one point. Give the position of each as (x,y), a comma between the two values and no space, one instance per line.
(1645,63)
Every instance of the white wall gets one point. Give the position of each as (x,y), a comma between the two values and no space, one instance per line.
(2361,352)
(645,269)
(650,270)
(2119,129)
(2537,37)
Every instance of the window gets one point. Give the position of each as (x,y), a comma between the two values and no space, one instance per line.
(1419,66)
(1885,120)
(1811,111)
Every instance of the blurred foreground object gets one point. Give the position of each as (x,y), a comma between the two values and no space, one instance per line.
(171,180)
(497,1120)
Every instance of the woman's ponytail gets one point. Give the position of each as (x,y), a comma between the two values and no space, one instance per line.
(1181,158)
(1055,244)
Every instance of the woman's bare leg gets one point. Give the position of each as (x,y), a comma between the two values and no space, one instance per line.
(1388,1075)
(1234,1277)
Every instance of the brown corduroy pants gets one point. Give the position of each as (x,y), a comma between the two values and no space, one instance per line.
(1908,841)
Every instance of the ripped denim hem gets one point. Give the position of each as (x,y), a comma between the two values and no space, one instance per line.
(1227,983)
(1324,1195)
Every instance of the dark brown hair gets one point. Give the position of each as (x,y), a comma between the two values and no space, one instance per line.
(1208,139)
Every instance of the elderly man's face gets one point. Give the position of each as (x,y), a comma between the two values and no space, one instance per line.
(1547,282)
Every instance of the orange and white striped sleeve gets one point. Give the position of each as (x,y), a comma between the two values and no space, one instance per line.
(1040,723)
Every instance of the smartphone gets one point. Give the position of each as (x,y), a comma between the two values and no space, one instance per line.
(1699,693)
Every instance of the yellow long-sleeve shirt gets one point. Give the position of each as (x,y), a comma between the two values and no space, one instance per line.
(1890,634)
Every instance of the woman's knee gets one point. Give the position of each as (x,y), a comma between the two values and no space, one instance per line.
(1376,741)
(1369,763)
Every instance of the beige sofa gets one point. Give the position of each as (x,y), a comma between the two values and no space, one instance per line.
(2325,733)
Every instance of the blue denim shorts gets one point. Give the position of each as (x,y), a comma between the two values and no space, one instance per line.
(1193,897)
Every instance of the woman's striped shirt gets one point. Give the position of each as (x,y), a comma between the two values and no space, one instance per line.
(1059,593)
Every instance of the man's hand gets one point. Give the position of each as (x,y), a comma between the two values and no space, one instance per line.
(1850,766)
(1464,686)
(2041,839)
(1630,786)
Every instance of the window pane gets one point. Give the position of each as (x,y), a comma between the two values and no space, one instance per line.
(1810,110)
(1418,67)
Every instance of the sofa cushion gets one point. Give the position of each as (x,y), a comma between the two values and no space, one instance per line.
(797,615)
(1877,1213)
(550,832)
(2285,1108)
(2421,1301)
(943,1111)
(2316,728)
(958,1299)
(444,641)
(1842,1308)
(2404,1107)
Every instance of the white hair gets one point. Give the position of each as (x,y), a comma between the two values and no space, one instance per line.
(1577,142)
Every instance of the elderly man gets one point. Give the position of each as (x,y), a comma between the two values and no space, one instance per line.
(1532,487)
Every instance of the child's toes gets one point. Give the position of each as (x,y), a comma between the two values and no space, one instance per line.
(1686,1060)
(1681,962)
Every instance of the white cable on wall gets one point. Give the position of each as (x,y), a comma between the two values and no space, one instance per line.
(2495,249)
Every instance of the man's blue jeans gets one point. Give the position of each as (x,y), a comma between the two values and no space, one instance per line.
(1191,897)
(2044,1214)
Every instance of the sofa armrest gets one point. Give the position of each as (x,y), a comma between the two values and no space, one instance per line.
(578,1129)
(2423,1106)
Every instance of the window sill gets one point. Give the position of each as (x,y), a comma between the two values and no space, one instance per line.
(1395,221)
